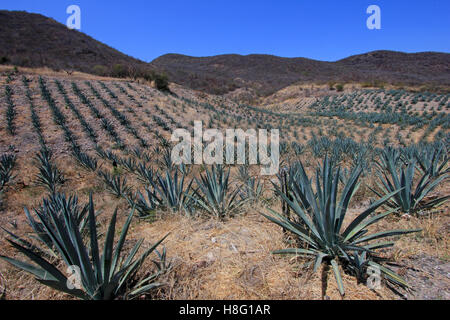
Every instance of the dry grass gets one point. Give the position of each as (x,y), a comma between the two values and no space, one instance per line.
(233,260)
(213,259)
(48,72)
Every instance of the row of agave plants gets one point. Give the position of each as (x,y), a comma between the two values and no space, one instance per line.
(170,191)
(312,211)
(10,111)
(67,232)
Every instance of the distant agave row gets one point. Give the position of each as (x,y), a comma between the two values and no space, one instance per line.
(10,111)
(106,124)
(119,116)
(58,116)
(86,126)
(36,122)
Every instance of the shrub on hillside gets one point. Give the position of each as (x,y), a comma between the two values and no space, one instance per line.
(119,71)
(161,82)
(100,70)
(4,60)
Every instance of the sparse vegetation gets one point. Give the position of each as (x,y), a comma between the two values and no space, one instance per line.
(112,138)
(318,223)
(214,194)
(102,277)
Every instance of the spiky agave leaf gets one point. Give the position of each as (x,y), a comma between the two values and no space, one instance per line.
(102,277)
(319,228)
(433,160)
(171,192)
(49,175)
(7,163)
(115,184)
(214,194)
(408,200)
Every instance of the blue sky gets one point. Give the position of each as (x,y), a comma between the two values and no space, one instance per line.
(323,30)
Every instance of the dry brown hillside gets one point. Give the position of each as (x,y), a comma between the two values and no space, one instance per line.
(266,74)
(33,40)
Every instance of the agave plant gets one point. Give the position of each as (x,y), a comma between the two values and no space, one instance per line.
(291,182)
(7,163)
(433,160)
(408,200)
(214,194)
(86,161)
(54,206)
(49,175)
(109,155)
(171,192)
(146,206)
(167,159)
(105,276)
(10,111)
(129,164)
(319,228)
(115,184)
(389,157)
(243,173)
(145,174)
(253,190)
(162,265)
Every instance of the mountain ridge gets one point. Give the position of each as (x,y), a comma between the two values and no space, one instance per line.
(271,73)
(34,40)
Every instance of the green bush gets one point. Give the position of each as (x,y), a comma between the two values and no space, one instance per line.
(119,71)
(100,70)
(161,82)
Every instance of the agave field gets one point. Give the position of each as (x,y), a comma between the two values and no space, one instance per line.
(92,207)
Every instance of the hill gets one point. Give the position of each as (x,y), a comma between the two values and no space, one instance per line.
(33,40)
(266,74)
